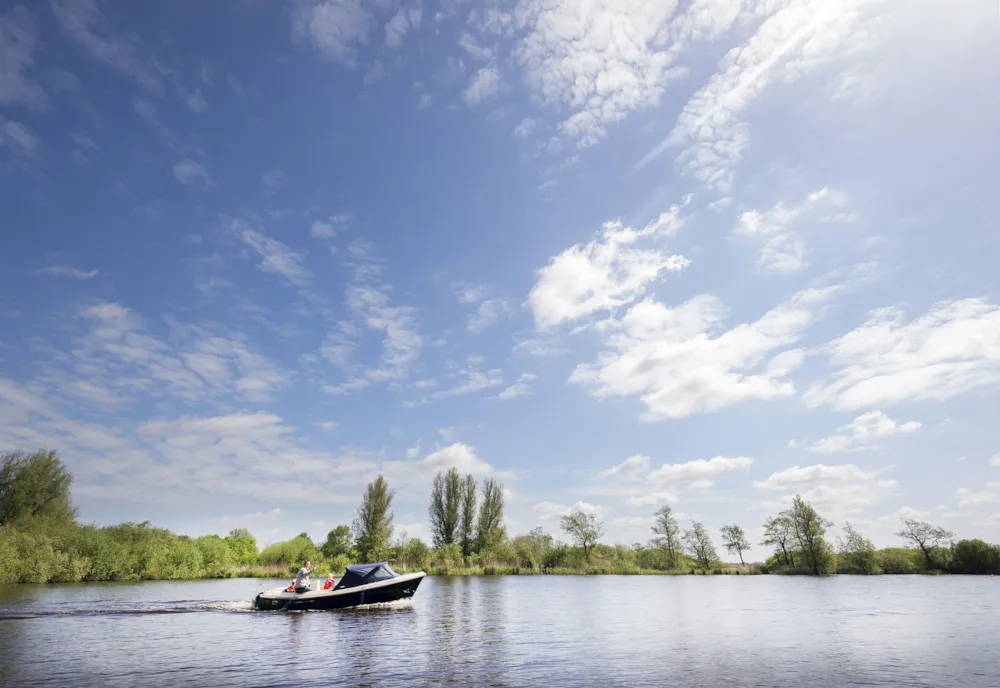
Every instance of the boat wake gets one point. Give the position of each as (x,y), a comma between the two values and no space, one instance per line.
(74,609)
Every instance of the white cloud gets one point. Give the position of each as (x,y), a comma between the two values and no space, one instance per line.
(275,179)
(519,389)
(634,467)
(66,271)
(542,346)
(782,249)
(967,498)
(526,127)
(468,43)
(334,28)
(330,227)
(249,519)
(196,101)
(860,434)
(950,350)
(995,461)
(191,173)
(457,455)
(671,360)
(18,138)
(797,476)
(604,273)
(598,60)
(487,314)
(798,35)
(699,470)
(652,499)
(17,48)
(82,20)
(484,85)
(276,257)
(468,380)
(835,491)
(425,101)
(327,425)
(397,27)
(549,511)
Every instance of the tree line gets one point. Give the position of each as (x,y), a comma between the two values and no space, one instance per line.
(41,541)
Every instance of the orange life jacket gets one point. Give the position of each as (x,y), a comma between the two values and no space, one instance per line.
(328,585)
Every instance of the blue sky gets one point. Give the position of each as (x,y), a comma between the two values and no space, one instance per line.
(618,254)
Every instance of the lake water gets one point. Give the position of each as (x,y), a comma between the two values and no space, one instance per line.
(515,631)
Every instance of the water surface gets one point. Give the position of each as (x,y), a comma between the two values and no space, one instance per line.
(515,631)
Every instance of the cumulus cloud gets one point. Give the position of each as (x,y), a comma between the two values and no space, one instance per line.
(699,470)
(995,461)
(192,173)
(604,273)
(550,511)
(634,467)
(484,86)
(834,490)
(597,60)
(782,247)
(334,28)
(952,349)
(402,23)
(679,363)
(862,432)
(525,128)
(519,389)
(458,455)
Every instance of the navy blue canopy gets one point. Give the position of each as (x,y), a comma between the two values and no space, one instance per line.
(363,574)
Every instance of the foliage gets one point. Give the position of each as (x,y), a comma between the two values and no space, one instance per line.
(467,521)
(895,560)
(290,553)
(856,553)
(809,530)
(926,538)
(243,545)
(975,557)
(34,486)
(584,528)
(531,549)
(372,526)
(735,540)
(490,523)
(700,546)
(444,509)
(778,533)
(338,543)
(668,533)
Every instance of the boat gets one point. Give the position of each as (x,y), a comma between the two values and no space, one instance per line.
(361,584)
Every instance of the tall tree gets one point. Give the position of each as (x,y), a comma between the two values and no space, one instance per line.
(925,536)
(34,486)
(243,545)
(444,510)
(668,533)
(584,528)
(338,542)
(467,524)
(857,552)
(700,545)
(809,529)
(735,541)
(778,533)
(372,525)
(490,514)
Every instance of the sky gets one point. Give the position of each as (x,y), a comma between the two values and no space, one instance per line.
(613,253)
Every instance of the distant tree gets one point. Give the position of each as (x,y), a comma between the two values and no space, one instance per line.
(699,544)
(372,526)
(445,507)
(809,529)
(668,533)
(925,536)
(338,542)
(975,557)
(531,548)
(34,486)
(584,528)
(243,545)
(778,532)
(467,522)
(857,553)
(415,553)
(490,527)
(735,541)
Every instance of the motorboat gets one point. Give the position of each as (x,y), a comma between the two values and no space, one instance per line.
(361,584)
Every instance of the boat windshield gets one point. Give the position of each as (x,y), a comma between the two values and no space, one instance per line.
(363,574)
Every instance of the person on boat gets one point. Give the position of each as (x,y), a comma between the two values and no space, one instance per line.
(302,578)
(329,582)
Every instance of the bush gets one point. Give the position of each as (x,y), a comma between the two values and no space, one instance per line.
(975,557)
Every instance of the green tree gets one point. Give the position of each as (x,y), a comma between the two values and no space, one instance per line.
(925,536)
(975,557)
(809,529)
(584,528)
(778,533)
(699,544)
(445,507)
(735,540)
(532,548)
(490,531)
(34,486)
(668,533)
(372,526)
(338,543)
(467,524)
(856,553)
(243,545)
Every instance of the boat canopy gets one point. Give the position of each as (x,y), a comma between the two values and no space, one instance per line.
(363,574)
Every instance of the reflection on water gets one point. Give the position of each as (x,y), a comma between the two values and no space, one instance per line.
(552,630)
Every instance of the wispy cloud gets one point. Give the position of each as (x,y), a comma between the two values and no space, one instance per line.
(192,173)
(66,271)
(17,56)
(275,257)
